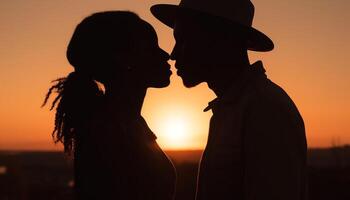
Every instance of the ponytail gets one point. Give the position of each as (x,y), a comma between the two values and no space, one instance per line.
(77,98)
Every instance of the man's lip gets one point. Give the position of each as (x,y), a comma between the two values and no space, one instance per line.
(179,72)
(177,65)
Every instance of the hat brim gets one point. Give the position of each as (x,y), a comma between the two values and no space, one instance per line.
(257,41)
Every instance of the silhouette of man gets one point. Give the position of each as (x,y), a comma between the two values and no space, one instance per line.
(256,146)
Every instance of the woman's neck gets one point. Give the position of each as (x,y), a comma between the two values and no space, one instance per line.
(128,100)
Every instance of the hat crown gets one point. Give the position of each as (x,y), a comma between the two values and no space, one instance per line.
(240,11)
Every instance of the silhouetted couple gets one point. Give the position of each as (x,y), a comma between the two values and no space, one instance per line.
(256,146)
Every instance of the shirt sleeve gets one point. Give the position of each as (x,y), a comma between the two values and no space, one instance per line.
(274,152)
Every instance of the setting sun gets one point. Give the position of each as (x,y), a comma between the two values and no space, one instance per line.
(175,130)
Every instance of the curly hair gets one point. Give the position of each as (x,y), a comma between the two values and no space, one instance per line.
(77,97)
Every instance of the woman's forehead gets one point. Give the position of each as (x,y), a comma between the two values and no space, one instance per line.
(144,36)
(149,31)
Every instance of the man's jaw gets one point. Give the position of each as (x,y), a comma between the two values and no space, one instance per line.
(190,83)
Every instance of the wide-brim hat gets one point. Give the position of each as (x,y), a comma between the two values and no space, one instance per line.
(237,12)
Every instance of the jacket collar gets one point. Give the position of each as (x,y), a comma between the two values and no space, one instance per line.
(251,73)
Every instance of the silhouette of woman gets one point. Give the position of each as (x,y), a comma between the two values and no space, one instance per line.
(115,153)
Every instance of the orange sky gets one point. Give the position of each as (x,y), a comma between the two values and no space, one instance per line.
(310,62)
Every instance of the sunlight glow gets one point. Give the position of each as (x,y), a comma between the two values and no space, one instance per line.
(175,132)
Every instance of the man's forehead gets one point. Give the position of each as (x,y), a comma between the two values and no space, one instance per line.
(186,24)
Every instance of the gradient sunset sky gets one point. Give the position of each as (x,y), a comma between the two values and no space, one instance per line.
(310,61)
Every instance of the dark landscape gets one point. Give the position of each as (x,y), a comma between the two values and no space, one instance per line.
(28,175)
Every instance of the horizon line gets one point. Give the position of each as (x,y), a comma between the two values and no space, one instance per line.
(167,150)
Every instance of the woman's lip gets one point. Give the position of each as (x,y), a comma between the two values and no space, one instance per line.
(167,65)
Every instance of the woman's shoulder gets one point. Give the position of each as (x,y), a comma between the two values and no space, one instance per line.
(115,123)
(141,130)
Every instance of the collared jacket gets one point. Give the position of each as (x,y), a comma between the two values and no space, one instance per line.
(256,147)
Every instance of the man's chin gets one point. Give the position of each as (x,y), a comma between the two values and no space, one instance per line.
(190,83)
